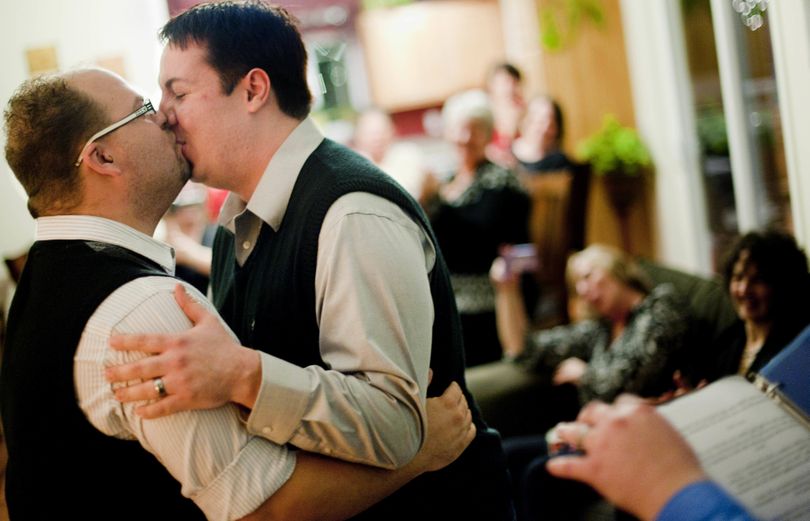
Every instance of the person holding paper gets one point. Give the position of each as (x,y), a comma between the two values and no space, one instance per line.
(639,462)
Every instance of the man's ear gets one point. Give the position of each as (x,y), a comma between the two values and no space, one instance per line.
(258,89)
(100,159)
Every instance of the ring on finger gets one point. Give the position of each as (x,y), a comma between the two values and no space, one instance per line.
(160,387)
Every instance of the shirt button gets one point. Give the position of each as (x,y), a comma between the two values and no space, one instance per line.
(246,245)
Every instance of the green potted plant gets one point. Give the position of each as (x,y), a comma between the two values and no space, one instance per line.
(617,153)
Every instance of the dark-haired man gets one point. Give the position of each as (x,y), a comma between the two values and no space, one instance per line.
(322,261)
(95,270)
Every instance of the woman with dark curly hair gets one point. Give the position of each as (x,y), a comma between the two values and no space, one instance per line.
(768,282)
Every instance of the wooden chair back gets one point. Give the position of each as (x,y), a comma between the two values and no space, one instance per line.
(557,224)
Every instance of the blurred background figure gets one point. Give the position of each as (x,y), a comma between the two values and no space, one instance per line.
(538,148)
(627,343)
(16,238)
(768,282)
(215,198)
(478,209)
(505,90)
(189,230)
(375,138)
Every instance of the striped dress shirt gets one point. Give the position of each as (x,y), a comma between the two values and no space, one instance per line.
(226,471)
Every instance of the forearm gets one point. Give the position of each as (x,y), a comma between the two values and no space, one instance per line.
(238,471)
(347,490)
(367,418)
(511,319)
(374,311)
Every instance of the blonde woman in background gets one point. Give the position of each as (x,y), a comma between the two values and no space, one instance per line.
(627,344)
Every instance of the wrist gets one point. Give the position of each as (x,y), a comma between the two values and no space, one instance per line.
(248,377)
(658,496)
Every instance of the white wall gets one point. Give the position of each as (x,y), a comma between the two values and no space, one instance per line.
(82,31)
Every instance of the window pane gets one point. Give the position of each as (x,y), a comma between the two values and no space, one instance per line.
(762,108)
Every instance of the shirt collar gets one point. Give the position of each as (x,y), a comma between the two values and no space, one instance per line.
(269,200)
(91,228)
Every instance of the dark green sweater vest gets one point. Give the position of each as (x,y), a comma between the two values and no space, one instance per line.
(270,304)
(59,465)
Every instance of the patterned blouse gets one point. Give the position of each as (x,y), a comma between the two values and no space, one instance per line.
(492,211)
(639,361)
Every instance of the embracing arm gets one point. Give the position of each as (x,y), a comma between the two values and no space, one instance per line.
(240,471)
(326,489)
(237,472)
(375,316)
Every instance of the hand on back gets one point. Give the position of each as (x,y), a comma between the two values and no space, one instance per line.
(201,368)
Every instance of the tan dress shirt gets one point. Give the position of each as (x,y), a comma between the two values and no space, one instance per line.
(375,315)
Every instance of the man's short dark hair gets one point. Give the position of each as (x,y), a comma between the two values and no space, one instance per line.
(240,36)
(47,122)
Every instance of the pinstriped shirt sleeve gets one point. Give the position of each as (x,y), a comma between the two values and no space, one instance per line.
(226,471)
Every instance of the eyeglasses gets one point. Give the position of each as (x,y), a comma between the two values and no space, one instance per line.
(146,109)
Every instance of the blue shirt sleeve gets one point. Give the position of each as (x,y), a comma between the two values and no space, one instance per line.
(703,501)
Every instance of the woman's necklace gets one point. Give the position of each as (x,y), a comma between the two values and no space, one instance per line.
(749,353)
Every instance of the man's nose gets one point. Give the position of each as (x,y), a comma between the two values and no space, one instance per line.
(168,113)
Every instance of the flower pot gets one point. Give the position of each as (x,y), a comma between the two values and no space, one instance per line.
(623,190)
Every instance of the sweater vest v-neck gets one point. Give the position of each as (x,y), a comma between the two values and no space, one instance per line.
(59,465)
(269,302)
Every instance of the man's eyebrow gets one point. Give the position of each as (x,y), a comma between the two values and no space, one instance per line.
(171,81)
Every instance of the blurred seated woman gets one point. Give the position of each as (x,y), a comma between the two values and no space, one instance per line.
(626,345)
(768,282)
(539,147)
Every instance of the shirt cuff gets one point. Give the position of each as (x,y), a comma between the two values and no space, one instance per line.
(282,400)
(702,501)
(257,473)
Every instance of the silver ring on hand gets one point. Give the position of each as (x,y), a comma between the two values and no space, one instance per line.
(160,387)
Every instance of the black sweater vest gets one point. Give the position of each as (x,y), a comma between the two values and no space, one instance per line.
(59,465)
(270,304)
